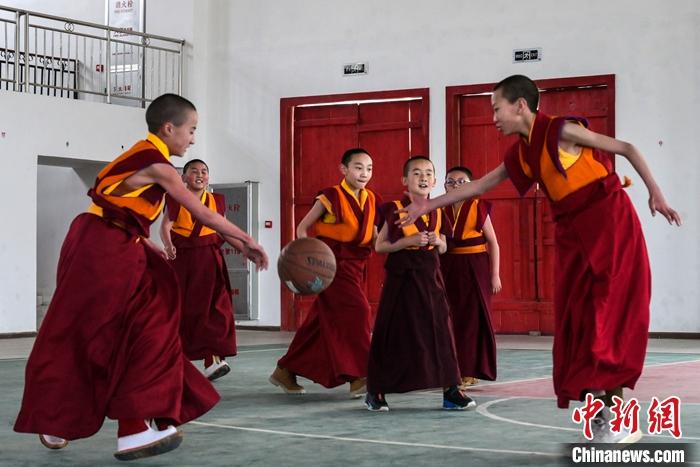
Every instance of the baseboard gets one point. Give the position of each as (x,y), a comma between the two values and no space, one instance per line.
(15,335)
(674,335)
(249,327)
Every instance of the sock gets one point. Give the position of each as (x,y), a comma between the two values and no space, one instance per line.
(131,426)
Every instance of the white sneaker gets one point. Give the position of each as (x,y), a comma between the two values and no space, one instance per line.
(216,370)
(600,427)
(148,443)
(53,442)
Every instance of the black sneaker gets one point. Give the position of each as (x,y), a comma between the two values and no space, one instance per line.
(455,399)
(376,402)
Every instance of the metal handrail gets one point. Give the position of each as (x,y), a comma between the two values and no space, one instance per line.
(92,25)
(106,53)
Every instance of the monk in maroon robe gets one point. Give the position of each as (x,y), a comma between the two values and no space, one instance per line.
(470,268)
(207,328)
(602,275)
(109,345)
(332,344)
(412,343)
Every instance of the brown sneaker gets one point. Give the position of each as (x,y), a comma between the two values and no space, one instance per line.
(358,388)
(286,380)
(467,381)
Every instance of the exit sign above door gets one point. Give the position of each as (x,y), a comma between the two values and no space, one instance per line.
(527,55)
(351,69)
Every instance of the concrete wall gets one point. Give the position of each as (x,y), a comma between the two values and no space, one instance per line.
(244,55)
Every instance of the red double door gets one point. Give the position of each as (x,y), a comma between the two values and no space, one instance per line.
(523,226)
(392,126)
(315,132)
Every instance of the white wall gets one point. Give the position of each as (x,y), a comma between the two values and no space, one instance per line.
(31,126)
(261,51)
(245,55)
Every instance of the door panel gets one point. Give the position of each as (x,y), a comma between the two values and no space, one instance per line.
(391,131)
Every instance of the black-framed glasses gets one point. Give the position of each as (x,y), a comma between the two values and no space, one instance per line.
(453,182)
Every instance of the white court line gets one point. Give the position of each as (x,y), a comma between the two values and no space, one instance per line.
(374,441)
(483,409)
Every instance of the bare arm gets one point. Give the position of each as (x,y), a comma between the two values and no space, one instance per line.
(383,245)
(582,136)
(494,255)
(167,177)
(165,226)
(310,218)
(420,206)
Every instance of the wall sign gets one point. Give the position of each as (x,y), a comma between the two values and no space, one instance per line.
(527,55)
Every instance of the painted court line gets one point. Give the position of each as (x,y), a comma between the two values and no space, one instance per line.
(483,409)
(374,441)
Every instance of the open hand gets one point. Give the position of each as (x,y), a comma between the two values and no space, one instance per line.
(256,253)
(657,203)
(413,211)
(170,252)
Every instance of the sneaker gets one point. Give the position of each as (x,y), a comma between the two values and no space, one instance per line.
(147,443)
(358,388)
(53,442)
(217,369)
(600,427)
(376,402)
(286,380)
(455,399)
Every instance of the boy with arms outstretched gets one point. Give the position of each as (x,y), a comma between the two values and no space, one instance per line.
(109,345)
(602,276)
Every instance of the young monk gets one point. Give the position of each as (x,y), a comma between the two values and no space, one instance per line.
(109,345)
(412,343)
(602,276)
(207,328)
(470,268)
(331,346)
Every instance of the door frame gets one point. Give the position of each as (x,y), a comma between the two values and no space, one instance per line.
(453,94)
(287,107)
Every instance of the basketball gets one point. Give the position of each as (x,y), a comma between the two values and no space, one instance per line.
(306,266)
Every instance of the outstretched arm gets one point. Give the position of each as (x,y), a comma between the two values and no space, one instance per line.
(580,135)
(420,206)
(167,177)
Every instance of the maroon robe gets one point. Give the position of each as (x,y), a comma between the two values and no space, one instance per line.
(412,342)
(602,275)
(468,286)
(331,346)
(207,326)
(109,345)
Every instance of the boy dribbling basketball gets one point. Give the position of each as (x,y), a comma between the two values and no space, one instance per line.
(331,346)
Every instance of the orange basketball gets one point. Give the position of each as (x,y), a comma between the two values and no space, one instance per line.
(306,266)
